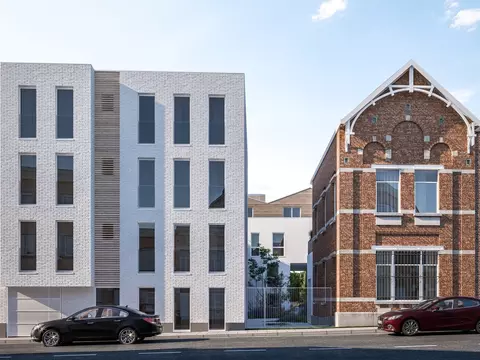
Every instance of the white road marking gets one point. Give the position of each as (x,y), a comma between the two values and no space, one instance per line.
(413,346)
(241,350)
(160,353)
(73,355)
(328,348)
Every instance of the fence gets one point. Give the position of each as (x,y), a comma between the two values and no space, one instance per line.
(285,307)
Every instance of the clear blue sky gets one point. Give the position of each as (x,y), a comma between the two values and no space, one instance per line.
(303,74)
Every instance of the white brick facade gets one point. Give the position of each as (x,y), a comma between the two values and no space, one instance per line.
(198,86)
(46,78)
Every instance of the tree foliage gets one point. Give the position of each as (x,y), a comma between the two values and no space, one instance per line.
(266,270)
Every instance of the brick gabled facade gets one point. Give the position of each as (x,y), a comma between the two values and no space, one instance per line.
(394,202)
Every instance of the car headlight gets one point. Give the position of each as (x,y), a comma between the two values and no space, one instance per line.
(395,317)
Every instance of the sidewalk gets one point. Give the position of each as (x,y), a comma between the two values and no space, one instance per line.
(244,333)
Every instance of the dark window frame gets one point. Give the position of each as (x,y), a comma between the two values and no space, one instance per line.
(151,184)
(215,121)
(27,117)
(142,306)
(179,123)
(178,187)
(33,180)
(69,259)
(145,125)
(216,257)
(213,322)
(115,295)
(178,322)
(64,119)
(150,251)
(26,241)
(177,257)
(65,195)
(219,202)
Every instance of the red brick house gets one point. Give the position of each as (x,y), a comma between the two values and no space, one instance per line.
(394,202)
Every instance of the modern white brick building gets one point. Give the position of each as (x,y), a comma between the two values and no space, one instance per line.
(122,187)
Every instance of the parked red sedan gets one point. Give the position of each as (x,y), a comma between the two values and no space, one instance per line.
(449,313)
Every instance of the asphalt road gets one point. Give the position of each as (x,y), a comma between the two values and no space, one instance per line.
(350,347)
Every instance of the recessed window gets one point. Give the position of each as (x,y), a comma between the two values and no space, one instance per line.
(146,301)
(406,275)
(28,179)
(291,212)
(255,244)
(64,180)
(64,114)
(28,246)
(387,191)
(64,246)
(181,261)
(181,128)
(426,185)
(217,248)
(182,309)
(278,244)
(146,120)
(108,296)
(146,247)
(28,113)
(216,128)
(216,187)
(250,212)
(181,191)
(146,186)
(216,300)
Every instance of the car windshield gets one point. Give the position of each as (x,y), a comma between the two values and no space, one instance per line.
(424,305)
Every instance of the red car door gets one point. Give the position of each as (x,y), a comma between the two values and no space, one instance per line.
(466,313)
(439,316)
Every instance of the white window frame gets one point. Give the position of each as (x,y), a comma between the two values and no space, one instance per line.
(251,243)
(398,190)
(437,191)
(279,247)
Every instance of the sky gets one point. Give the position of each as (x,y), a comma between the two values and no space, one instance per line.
(307,63)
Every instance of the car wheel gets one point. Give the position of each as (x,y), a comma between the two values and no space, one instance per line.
(477,327)
(51,338)
(410,327)
(127,336)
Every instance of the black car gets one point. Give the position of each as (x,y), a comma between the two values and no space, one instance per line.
(99,323)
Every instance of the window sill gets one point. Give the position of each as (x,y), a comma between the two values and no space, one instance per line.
(388,214)
(146,272)
(219,273)
(427,214)
(28,139)
(427,219)
(65,139)
(64,272)
(217,209)
(66,205)
(397,302)
(217,145)
(182,145)
(182,209)
(388,219)
(27,272)
(182,273)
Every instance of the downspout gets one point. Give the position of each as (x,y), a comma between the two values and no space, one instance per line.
(477,211)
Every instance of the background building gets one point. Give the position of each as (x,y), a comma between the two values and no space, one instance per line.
(122,187)
(394,202)
(283,226)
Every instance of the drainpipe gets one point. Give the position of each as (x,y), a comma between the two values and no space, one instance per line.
(477,210)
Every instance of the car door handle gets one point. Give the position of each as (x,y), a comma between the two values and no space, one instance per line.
(117,320)
(90,323)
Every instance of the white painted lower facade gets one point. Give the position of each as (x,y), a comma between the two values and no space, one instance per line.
(296,237)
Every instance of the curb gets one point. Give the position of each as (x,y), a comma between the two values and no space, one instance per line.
(254,333)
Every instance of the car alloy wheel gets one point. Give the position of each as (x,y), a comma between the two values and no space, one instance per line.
(410,327)
(51,338)
(477,328)
(127,336)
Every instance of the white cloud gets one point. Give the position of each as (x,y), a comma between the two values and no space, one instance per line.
(463,95)
(329,8)
(466,19)
(450,6)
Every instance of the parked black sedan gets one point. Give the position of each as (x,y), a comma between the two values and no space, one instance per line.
(99,323)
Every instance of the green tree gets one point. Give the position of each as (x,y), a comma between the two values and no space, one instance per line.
(266,270)
(297,284)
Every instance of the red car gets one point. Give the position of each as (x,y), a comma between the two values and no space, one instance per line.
(448,313)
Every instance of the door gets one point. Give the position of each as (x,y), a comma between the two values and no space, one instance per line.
(440,316)
(109,322)
(217,309)
(466,313)
(84,325)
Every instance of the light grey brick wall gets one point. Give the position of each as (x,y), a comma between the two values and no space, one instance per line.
(199,86)
(46,78)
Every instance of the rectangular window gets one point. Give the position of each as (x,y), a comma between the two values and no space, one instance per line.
(278,244)
(146,247)
(146,183)
(28,113)
(28,246)
(64,180)
(146,119)
(181,129)
(216,121)
(291,212)
(217,248)
(387,191)
(250,212)
(28,179)
(406,275)
(182,248)
(64,246)
(216,319)
(255,244)
(64,114)
(182,309)
(216,185)
(181,193)
(146,302)
(108,296)
(426,185)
